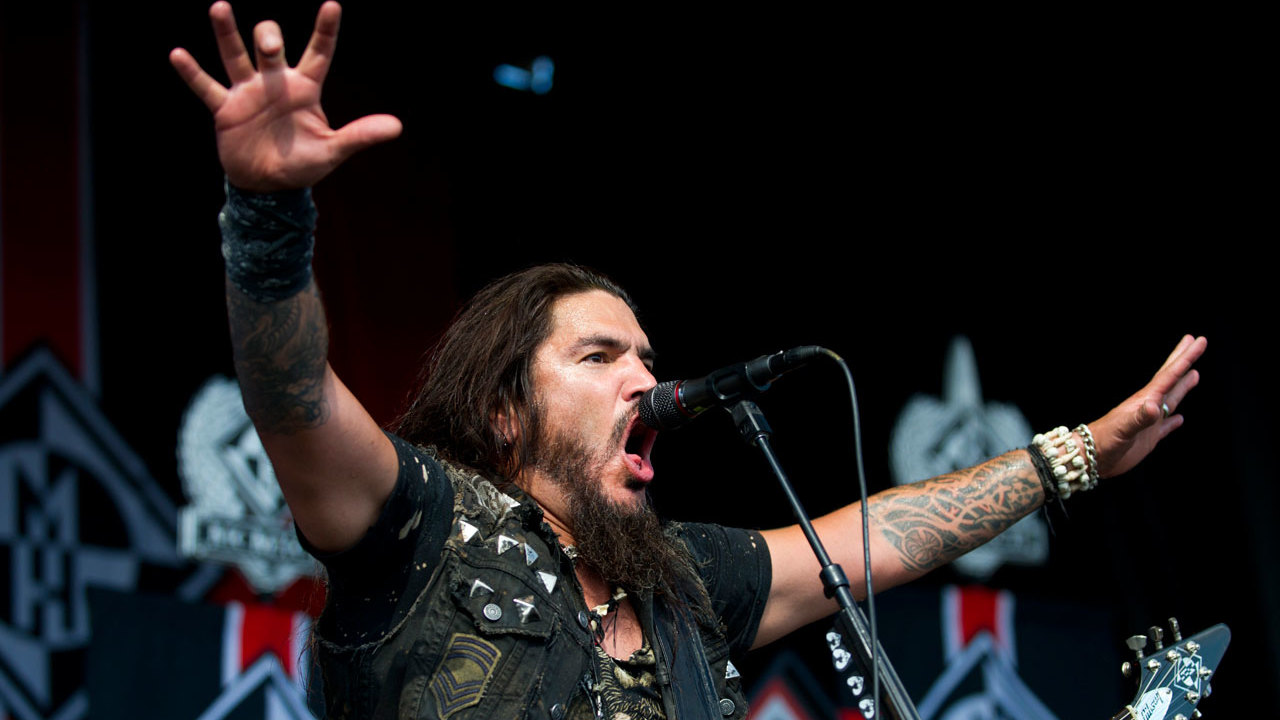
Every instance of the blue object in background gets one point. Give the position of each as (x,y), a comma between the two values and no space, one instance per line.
(537,79)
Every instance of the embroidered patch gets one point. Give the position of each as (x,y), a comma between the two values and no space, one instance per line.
(464,673)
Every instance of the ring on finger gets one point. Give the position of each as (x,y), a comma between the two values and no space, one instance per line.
(1164,408)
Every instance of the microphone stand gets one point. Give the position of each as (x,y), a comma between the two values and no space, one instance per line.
(755,430)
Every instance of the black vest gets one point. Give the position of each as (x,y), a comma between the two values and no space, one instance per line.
(502,632)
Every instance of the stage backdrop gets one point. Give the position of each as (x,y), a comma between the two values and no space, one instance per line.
(1001,223)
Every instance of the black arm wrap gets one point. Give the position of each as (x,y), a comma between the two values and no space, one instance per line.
(267,242)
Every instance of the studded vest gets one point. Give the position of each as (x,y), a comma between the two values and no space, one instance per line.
(501,631)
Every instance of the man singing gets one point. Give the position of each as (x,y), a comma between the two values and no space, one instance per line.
(495,555)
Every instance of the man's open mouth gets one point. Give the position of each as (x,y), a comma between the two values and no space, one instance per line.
(640,439)
(638,446)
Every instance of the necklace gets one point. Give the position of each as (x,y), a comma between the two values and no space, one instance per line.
(599,612)
(618,596)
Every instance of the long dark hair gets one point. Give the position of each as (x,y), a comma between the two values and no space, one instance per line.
(482,367)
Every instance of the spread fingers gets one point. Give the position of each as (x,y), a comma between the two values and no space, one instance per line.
(210,91)
(324,39)
(235,59)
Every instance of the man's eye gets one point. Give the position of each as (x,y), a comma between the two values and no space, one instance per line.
(597,357)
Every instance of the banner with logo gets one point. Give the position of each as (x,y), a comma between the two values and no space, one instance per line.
(163,658)
(961,653)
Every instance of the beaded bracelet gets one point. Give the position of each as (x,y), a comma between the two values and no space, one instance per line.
(267,242)
(1070,471)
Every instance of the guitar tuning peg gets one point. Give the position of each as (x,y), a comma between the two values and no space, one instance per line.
(1136,643)
(1157,636)
(1126,669)
(1175,629)
(1196,714)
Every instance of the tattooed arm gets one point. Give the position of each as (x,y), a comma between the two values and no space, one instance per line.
(280,350)
(916,528)
(931,523)
(335,466)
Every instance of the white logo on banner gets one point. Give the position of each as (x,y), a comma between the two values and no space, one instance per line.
(990,656)
(77,511)
(284,699)
(934,436)
(238,515)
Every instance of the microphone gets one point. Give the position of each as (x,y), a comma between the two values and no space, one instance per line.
(670,404)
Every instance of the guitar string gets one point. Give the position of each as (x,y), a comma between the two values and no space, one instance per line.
(1127,713)
(1168,669)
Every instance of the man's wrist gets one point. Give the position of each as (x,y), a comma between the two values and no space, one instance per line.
(267,241)
(1070,458)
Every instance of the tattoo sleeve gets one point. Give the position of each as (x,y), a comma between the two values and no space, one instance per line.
(934,521)
(280,351)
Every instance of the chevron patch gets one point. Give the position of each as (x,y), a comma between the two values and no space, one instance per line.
(463,674)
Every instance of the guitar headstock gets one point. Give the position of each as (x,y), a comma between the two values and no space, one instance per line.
(1174,678)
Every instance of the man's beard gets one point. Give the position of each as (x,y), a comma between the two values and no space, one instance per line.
(625,544)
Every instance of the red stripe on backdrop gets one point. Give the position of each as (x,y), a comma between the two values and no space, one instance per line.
(39,189)
(978,613)
(267,629)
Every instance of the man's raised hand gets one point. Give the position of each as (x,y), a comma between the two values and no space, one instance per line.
(1131,430)
(272,133)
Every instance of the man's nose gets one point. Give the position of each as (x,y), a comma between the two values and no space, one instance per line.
(640,381)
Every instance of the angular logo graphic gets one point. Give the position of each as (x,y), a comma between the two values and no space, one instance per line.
(981,648)
(238,515)
(78,510)
(788,690)
(934,436)
(286,699)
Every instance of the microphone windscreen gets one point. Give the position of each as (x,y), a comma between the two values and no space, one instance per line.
(658,408)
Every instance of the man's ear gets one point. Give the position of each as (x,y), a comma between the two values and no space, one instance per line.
(506,429)
(505,426)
